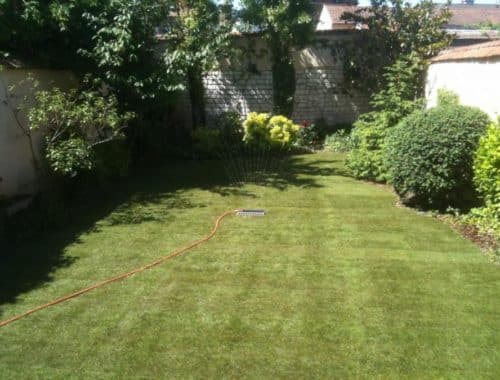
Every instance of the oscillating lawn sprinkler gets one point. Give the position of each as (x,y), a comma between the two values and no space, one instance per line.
(256,212)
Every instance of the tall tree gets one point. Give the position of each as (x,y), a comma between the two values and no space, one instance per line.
(392,29)
(112,40)
(199,35)
(285,25)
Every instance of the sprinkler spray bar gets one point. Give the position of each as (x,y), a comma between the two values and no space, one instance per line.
(258,212)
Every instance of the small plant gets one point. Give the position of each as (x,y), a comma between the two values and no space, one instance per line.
(264,130)
(311,135)
(430,155)
(447,98)
(339,142)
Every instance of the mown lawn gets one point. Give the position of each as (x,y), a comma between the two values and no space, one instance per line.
(335,282)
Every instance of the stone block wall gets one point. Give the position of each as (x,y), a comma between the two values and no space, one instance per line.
(237,90)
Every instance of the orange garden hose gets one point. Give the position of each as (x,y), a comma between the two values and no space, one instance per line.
(120,277)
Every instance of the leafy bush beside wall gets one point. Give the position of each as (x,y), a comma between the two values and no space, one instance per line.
(430,155)
(366,159)
(339,142)
(400,97)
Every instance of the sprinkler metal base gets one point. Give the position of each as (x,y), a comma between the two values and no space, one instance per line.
(251,212)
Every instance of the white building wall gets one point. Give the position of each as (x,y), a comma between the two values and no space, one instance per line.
(325,21)
(477,83)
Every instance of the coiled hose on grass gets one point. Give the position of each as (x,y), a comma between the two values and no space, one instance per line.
(120,277)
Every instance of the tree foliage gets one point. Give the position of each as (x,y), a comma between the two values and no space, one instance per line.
(112,40)
(285,25)
(391,29)
(196,38)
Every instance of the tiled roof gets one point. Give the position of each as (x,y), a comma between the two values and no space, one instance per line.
(466,15)
(476,51)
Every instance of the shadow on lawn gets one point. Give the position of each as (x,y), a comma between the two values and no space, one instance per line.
(152,194)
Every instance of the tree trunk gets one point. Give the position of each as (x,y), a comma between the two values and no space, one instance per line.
(283,81)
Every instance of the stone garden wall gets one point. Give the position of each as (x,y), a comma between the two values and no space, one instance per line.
(245,84)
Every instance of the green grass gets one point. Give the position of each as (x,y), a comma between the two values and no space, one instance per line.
(335,282)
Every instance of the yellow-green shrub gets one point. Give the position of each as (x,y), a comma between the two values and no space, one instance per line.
(255,128)
(487,165)
(275,131)
(282,131)
(487,180)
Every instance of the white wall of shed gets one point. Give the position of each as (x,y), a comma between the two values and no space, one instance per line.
(17,170)
(476,82)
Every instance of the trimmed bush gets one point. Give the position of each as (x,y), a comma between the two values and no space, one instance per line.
(430,155)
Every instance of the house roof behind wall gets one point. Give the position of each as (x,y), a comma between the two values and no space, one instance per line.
(483,50)
(463,15)
(335,12)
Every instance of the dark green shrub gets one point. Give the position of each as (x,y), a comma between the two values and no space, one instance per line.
(112,160)
(225,136)
(430,155)
(231,127)
(207,142)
